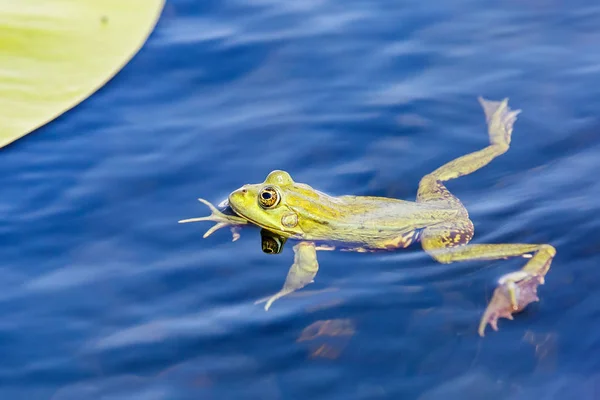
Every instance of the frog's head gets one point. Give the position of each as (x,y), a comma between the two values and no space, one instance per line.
(278,204)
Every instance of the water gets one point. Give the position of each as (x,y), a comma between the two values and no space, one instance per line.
(104,296)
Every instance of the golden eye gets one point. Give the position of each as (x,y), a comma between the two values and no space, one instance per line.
(268,197)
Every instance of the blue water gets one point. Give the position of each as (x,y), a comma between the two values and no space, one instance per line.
(104,296)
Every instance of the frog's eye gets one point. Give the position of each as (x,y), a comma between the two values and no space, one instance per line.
(268,197)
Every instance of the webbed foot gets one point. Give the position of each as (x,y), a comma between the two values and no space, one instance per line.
(514,292)
(222,220)
(500,118)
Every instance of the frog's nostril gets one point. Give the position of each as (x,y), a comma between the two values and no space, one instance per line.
(244,191)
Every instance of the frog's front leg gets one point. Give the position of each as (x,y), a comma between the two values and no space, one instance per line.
(301,273)
(222,220)
(515,290)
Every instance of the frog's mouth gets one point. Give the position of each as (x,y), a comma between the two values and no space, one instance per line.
(253,221)
(240,214)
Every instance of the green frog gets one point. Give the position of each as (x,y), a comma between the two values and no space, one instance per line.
(437,219)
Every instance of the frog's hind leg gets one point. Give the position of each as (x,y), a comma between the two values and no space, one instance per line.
(500,119)
(301,273)
(515,290)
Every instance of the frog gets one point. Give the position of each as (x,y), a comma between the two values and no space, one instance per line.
(436,219)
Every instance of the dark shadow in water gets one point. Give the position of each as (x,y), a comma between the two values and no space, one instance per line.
(271,243)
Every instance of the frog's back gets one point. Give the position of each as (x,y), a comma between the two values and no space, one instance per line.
(378,222)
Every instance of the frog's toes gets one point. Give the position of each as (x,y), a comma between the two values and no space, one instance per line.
(215,215)
(500,118)
(222,220)
(514,292)
(268,300)
(214,228)
(235,233)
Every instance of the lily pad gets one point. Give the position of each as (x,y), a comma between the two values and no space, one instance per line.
(55,54)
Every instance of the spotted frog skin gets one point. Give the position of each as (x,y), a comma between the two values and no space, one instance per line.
(437,219)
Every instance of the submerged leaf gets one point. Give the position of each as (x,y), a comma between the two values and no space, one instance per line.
(54,54)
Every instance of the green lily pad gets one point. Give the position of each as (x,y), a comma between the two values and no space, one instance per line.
(54,54)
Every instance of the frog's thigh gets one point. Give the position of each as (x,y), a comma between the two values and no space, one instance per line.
(301,273)
(441,241)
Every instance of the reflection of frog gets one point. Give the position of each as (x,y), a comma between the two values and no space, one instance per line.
(271,243)
(437,219)
(327,338)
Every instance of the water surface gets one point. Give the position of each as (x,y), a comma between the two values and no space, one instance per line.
(104,296)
